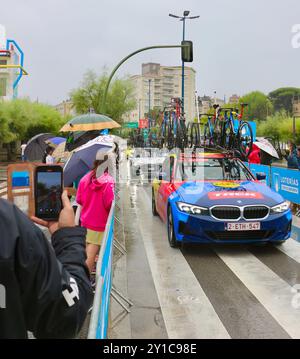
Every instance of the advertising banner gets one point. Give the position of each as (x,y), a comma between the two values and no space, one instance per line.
(287,183)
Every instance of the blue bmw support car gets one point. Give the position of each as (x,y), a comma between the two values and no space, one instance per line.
(214,198)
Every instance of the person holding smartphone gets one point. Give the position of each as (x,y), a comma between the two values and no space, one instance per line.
(44,289)
(95,195)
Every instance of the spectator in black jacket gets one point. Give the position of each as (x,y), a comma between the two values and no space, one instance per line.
(43,289)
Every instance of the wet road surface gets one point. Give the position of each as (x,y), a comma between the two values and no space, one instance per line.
(205,291)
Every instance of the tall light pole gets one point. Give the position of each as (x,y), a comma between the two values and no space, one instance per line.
(183,18)
(149,117)
(139,109)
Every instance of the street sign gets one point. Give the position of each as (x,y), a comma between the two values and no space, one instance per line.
(131,125)
(143,123)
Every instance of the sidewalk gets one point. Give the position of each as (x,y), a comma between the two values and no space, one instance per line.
(296,228)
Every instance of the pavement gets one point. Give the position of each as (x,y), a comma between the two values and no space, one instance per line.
(203,291)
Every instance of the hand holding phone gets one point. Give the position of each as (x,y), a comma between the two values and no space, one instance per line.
(66,217)
(47,192)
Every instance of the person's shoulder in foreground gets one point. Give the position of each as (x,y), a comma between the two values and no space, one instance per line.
(44,289)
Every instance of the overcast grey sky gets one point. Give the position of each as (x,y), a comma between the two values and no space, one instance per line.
(239,45)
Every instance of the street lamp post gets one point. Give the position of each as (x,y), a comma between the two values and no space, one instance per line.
(103,106)
(149,116)
(183,18)
(139,109)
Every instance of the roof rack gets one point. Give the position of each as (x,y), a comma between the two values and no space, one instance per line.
(219,149)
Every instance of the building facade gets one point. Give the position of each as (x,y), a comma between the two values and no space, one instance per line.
(157,85)
(205,103)
(11,66)
(234,99)
(66,108)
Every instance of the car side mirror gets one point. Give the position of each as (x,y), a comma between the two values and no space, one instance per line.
(261,176)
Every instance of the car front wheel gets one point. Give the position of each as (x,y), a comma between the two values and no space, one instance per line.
(171,233)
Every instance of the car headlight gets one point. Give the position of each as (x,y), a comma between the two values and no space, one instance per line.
(280,208)
(191,209)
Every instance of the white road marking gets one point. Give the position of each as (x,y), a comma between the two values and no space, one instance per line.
(271,291)
(187,311)
(291,248)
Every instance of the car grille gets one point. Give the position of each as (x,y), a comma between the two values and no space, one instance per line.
(241,235)
(255,212)
(233,213)
(226,212)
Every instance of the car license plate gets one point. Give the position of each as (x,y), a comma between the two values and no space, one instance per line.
(250,226)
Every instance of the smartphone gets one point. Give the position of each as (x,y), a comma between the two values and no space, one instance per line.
(48,190)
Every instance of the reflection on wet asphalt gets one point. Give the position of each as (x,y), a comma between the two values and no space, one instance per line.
(246,291)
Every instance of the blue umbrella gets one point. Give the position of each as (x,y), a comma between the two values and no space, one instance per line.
(56,140)
(83,158)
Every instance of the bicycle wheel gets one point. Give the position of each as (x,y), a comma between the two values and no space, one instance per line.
(193,136)
(245,139)
(229,136)
(208,139)
(188,133)
(179,141)
(217,133)
(170,136)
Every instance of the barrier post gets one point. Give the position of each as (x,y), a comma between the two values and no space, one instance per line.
(100,313)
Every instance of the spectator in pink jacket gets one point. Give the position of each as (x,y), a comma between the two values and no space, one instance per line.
(95,195)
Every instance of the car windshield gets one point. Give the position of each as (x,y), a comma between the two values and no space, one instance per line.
(212,169)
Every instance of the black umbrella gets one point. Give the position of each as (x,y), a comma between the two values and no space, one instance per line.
(36,147)
(77,139)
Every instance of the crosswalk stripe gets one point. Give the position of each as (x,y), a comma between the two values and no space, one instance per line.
(187,311)
(272,292)
(291,248)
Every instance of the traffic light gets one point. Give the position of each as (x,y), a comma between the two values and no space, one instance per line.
(187,51)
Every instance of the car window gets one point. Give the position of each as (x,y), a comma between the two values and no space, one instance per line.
(212,169)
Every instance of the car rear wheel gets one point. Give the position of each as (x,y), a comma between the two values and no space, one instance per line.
(154,210)
(171,233)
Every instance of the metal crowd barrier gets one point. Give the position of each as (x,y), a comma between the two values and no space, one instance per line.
(100,313)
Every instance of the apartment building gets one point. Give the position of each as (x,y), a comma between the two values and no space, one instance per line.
(157,85)
(66,108)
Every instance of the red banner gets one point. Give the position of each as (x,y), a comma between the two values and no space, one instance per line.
(143,123)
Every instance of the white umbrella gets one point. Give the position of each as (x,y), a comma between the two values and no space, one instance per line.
(266,146)
(82,159)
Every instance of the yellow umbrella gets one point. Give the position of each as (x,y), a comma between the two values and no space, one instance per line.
(89,122)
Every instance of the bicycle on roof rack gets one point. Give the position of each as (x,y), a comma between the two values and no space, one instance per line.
(194,134)
(231,131)
(173,131)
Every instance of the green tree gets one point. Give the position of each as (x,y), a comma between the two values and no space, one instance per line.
(22,119)
(282,98)
(259,106)
(90,96)
(279,126)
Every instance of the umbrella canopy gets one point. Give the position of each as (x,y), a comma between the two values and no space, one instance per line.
(77,139)
(36,147)
(82,159)
(89,122)
(55,141)
(264,145)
